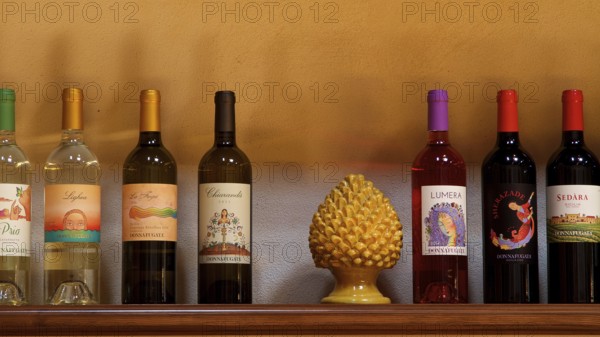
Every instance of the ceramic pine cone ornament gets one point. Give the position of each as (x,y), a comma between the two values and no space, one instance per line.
(355,233)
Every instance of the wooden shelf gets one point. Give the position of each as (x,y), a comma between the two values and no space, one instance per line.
(301,320)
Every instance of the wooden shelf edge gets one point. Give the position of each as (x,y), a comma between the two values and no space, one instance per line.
(301,320)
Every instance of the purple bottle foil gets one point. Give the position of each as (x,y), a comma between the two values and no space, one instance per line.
(437,110)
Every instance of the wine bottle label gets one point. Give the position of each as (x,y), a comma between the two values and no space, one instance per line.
(224,223)
(510,223)
(444,224)
(573,213)
(15,220)
(149,212)
(72,213)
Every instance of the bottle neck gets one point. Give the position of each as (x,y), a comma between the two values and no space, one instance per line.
(150,138)
(150,123)
(224,138)
(72,115)
(225,123)
(507,139)
(508,119)
(572,119)
(7,137)
(7,119)
(438,137)
(72,137)
(437,120)
(7,123)
(437,116)
(572,138)
(573,116)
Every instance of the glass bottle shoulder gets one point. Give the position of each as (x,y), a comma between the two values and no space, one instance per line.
(508,165)
(72,153)
(573,156)
(150,164)
(226,164)
(150,156)
(12,153)
(72,163)
(439,156)
(224,156)
(14,165)
(509,156)
(573,165)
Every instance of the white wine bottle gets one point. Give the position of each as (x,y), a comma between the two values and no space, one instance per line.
(72,213)
(224,220)
(149,213)
(15,209)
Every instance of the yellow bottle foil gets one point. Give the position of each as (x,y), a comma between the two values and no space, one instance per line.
(72,114)
(149,110)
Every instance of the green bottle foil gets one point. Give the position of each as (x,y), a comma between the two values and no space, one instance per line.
(7,109)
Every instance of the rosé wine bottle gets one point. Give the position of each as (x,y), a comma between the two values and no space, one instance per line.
(439,213)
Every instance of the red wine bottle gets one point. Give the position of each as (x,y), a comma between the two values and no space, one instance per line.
(509,214)
(439,213)
(573,211)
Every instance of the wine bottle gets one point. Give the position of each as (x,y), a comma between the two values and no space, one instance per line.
(439,219)
(72,213)
(573,211)
(224,217)
(509,213)
(149,213)
(15,209)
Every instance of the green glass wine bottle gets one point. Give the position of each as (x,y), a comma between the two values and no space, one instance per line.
(225,219)
(149,213)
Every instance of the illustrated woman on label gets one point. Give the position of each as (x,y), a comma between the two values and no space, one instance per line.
(225,222)
(224,219)
(521,237)
(75,220)
(525,214)
(448,228)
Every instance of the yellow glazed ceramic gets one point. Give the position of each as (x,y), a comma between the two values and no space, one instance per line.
(356,234)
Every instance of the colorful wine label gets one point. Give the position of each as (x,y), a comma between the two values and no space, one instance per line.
(72,213)
(149,212)
(224,223)
(510,231)
(15,220)
(443,219)
(573,213)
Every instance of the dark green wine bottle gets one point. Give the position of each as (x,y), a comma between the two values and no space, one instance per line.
(224,216)
(149,213)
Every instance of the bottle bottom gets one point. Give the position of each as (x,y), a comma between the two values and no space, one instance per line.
(224,283)
(14,280)
(10,294)
(440,279)
(72,293)
(440,292)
